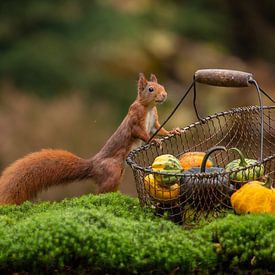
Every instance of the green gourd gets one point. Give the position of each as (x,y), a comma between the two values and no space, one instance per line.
(245,175)
(168,165)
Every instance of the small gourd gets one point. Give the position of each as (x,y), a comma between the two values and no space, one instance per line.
(203,167)
(253,197)
(168,164)
(243,176)
(159,191)
(194,159)
(273,201)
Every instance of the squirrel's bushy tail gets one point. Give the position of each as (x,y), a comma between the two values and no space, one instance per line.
(23,179)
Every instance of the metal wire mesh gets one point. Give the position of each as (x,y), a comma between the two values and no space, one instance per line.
(205,195)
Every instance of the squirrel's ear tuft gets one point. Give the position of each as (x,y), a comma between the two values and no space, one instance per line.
(142,82)
(153,78)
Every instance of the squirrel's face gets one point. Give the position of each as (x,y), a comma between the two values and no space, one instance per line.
(151,92)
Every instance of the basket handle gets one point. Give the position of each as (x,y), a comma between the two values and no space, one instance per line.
(223,78)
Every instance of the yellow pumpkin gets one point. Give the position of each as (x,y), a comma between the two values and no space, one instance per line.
(273,202)
(158,191)
(193,159)
(253,197)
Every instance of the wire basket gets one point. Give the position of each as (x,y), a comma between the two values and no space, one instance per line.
(205,195)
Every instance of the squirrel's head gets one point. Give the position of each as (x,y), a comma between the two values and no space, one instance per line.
(150,92)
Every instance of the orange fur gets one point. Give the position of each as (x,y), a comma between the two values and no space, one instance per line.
(23,179)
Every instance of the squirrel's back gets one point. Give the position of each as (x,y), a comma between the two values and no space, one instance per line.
(23,179)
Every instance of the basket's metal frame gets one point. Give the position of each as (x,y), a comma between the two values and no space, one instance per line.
(133,153)
(254,82)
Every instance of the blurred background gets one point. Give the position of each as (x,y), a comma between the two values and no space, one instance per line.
(69,69)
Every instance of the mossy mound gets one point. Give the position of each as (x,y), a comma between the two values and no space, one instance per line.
(112,234)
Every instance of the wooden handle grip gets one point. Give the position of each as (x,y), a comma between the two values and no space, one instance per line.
(223,78)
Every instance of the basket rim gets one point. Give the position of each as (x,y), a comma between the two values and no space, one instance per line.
(236,110)
(149,170)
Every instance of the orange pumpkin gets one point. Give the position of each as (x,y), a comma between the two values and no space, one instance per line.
(253,197)
(194,159)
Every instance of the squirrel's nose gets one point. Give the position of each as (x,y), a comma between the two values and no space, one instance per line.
(164,96)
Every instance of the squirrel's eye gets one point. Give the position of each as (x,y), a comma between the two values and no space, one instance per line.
(150,89)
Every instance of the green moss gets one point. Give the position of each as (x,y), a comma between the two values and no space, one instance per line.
(243,241)
(112,234)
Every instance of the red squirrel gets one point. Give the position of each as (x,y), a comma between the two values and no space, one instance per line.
(24,178)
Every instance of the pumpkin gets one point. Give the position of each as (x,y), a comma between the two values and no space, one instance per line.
(203,167)
(170,165)
(273,201)
(252,173)
(194,159)
(158,191)
(206,192)
(253,197)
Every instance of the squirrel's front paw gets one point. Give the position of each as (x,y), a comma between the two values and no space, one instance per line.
(175,131)
(156,141)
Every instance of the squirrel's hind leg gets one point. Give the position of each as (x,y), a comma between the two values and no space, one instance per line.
(109,185)
(110,181)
